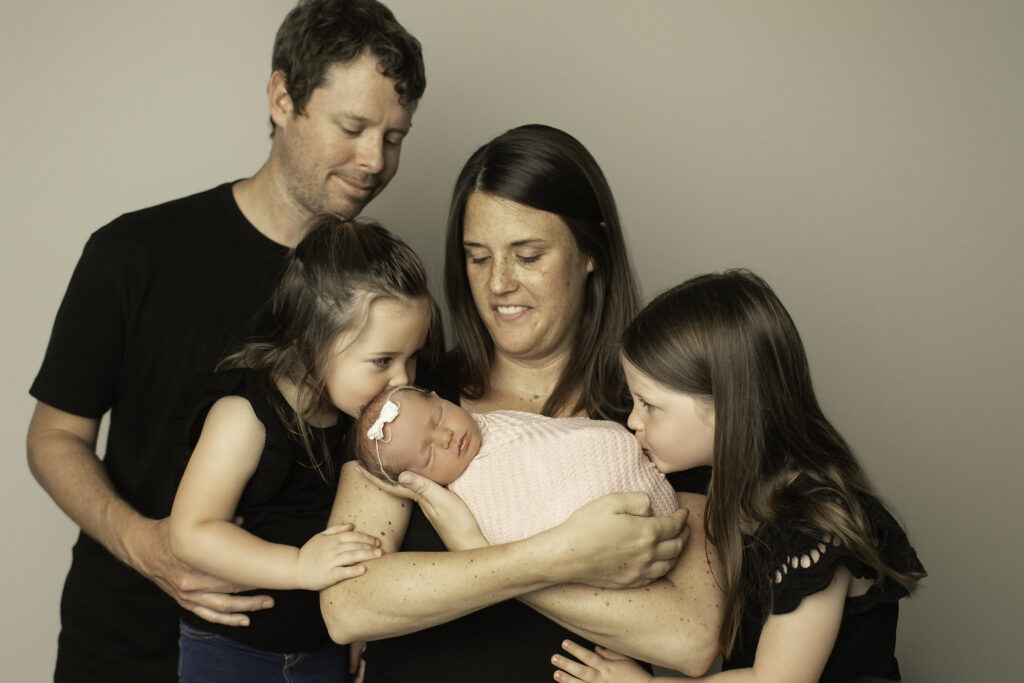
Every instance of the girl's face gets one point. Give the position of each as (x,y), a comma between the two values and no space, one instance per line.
(675,429)
(380,355)
(526,274)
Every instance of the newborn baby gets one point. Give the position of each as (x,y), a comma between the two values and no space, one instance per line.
(519,473)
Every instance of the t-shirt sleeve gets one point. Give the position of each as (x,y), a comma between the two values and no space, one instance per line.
(80,369)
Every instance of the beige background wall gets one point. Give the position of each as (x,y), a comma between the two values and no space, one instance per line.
(866,157)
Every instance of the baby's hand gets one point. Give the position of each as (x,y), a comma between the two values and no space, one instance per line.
(328,557)
(600,666)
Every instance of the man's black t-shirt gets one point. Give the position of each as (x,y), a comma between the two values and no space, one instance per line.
(158,296)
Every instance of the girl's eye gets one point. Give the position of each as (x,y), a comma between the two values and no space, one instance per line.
(645,405)
(382,362)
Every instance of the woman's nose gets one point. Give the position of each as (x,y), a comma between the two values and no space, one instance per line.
(502,278)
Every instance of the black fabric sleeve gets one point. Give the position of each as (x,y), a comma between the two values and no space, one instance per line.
(79,373)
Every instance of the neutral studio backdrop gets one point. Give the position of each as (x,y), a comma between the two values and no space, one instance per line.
(865,157)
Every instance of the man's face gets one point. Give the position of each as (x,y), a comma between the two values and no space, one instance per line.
(344,149)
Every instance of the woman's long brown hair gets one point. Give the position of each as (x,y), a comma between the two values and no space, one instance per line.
(548,169)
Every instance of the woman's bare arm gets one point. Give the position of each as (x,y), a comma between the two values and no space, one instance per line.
(673,622)
(605,543)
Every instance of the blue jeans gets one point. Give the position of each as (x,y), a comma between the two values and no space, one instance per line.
(209,658)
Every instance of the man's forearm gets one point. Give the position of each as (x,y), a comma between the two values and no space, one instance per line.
(61,457)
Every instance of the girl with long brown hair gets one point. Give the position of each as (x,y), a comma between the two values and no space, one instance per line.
(813,565)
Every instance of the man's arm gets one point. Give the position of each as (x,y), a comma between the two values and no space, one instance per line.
(62,458)
(401,592)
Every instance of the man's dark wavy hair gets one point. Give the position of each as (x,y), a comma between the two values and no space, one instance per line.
(317,34)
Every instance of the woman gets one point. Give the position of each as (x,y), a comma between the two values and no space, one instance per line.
(540,289)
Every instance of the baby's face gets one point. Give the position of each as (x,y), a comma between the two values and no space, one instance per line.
(431,437)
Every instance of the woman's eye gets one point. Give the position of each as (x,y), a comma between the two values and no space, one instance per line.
(528,259)
(477,260)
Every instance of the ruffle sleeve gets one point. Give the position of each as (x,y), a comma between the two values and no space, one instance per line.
(206,390)
(802,562)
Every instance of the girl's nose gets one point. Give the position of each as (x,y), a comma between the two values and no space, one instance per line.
(400,376)
(634,422)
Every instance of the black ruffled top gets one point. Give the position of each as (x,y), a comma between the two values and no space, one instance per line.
(802,562)
(285,501)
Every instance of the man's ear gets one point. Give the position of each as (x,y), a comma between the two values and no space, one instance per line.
(280,102)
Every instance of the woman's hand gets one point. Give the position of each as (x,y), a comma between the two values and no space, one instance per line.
(334,555)
(600,666)
(447,512)
(613,542)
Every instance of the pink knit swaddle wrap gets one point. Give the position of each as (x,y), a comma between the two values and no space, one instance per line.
(532,472)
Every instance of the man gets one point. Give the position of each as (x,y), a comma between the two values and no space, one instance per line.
(160,294)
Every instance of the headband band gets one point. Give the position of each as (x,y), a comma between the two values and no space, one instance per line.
(388,413)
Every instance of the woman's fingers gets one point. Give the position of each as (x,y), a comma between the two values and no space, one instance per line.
(393,489)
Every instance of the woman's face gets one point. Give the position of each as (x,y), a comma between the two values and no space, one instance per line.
(526,275)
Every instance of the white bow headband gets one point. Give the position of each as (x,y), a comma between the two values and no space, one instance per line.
(388,413)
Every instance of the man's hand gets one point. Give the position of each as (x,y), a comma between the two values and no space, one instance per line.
(209,598)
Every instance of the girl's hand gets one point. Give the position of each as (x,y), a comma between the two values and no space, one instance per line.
(599,666)
(447,512)
(334,555)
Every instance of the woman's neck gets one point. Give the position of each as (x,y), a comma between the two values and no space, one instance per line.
(521,385)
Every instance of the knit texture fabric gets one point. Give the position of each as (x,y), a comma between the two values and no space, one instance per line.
(532,472)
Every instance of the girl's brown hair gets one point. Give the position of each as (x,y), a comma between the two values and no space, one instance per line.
(330,279)
(728,339)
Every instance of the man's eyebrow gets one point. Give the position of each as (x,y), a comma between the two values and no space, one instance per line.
(359,118)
